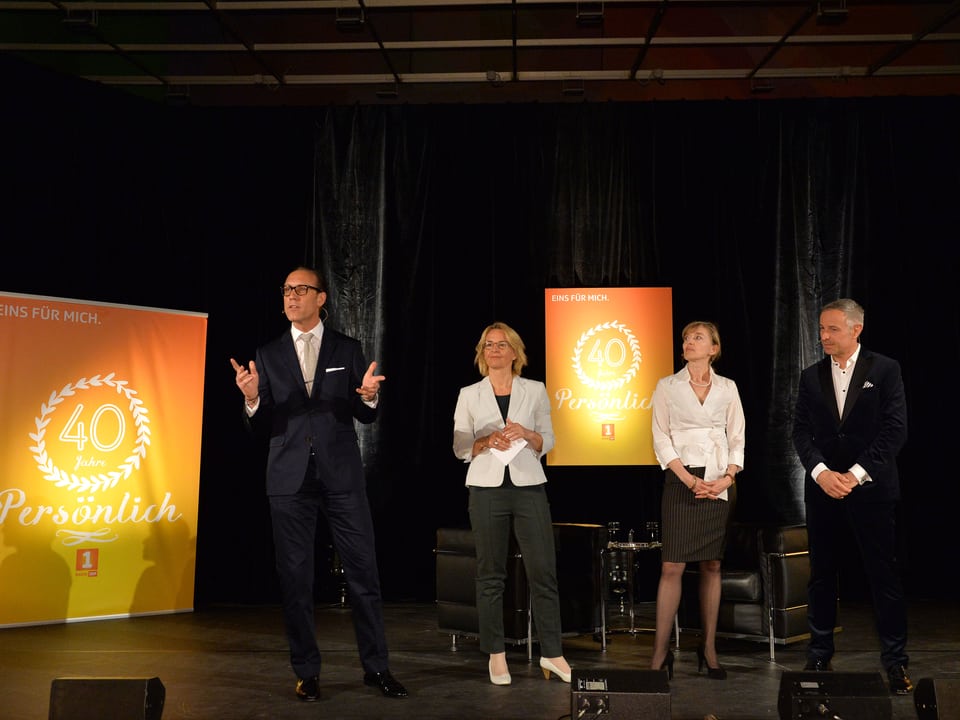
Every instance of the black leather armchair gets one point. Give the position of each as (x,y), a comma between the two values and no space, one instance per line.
(456,555)
(579,579)
(763,588)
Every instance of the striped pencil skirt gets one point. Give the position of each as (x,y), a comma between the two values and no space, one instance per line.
(693,529)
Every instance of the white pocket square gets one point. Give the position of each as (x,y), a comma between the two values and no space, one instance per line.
(867,384)
(334,369)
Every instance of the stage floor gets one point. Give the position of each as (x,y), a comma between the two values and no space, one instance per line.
(230,663)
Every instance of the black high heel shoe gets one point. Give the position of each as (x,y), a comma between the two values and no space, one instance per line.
(667,664)
(717,673)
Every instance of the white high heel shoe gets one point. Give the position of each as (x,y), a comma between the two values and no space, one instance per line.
(504,679)
(548,667)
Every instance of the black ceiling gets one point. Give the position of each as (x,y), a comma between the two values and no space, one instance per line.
(317,52)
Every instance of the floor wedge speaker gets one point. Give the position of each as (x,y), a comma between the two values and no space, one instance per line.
(937,698)
(851,696)
(118,698)
(620,694)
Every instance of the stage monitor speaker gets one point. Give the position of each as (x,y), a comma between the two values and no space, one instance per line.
(937,698)
(620,694)
(118,698)
(847,695)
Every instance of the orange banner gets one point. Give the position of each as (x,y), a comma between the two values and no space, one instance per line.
(100,458)
(606,349)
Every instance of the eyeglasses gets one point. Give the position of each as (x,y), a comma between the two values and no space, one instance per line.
(298,289)
(502,345)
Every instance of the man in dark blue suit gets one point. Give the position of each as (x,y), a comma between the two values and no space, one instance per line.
(850,422)
(308,386)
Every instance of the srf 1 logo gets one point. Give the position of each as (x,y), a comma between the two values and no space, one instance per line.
(88,562)
(607,431)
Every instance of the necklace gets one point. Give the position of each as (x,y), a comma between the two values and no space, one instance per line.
(706,384)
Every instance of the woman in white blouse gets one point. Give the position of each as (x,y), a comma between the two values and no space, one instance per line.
(698,437)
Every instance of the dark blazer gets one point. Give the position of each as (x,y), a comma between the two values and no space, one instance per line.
(871,432)
(323,421)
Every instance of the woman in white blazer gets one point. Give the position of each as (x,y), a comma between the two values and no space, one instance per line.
(698,437)
(502,427)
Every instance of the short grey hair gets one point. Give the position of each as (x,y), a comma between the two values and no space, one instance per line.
(851,309)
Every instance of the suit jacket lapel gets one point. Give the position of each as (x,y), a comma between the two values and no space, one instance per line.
(826,388)
(864,363)
(288,354)
(486,399)
(327,344)
(516,398)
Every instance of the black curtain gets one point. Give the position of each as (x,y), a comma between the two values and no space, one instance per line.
(756,213)
(432,221)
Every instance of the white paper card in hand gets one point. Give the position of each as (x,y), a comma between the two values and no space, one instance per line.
(505,456)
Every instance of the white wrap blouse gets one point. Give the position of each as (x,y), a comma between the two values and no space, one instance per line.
(711,435)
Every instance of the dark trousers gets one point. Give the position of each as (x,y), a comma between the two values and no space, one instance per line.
(351,526)
(874,527)
(492,511)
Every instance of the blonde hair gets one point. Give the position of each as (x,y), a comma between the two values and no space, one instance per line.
(711,330)
(519,350)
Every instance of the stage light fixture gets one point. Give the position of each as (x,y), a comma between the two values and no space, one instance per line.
(494,78)
(81,20)
(831,12)
(572,88)
(388,92)
(178,95)
(589,13)
(349,19)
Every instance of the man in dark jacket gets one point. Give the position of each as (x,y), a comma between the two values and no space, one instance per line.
(308,386)
(850,423)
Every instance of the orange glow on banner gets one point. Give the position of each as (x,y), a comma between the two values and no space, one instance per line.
(100,458)
(606,349)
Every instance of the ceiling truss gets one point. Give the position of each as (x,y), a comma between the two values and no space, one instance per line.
(267,52)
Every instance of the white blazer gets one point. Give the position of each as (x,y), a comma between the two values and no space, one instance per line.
(711,435)
(477,415)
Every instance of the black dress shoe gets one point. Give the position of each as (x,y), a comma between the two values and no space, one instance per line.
(818,665)
(308,689)
(386,682)
(899,680)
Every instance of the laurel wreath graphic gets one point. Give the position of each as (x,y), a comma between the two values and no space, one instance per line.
(100,481)
(608,385)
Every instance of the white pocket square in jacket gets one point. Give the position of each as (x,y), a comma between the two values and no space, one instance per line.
(867,384)
(335,369)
